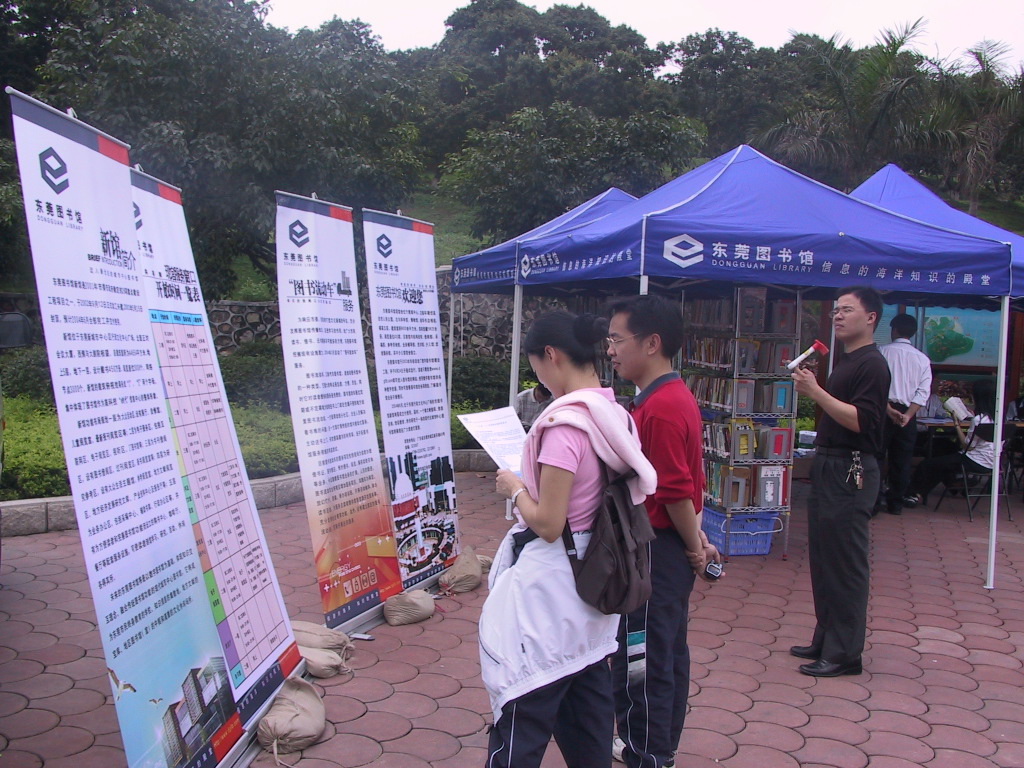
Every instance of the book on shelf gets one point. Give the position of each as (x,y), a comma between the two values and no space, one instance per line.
(752,308)
(746,355)
(710,313)
(743,395)
(783,318)
(737,487)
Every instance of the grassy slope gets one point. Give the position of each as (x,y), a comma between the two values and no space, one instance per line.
(452,223)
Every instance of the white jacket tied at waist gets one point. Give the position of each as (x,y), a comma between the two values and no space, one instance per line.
(534,628)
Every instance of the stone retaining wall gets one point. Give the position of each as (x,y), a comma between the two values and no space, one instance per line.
(28,516)
(483,322)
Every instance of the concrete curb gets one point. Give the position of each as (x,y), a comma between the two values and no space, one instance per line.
(28,516)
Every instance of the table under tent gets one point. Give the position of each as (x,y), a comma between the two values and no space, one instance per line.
(742,219)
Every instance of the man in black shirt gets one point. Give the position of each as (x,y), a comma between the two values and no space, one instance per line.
(844,486)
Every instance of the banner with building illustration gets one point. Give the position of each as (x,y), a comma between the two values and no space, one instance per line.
(332,414)
(167,664)
(412,392)
(237,571)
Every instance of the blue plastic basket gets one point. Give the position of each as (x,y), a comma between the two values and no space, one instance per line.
(749,534)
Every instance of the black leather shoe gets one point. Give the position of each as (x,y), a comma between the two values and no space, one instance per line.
(826,668)
(894,510)
(805,652)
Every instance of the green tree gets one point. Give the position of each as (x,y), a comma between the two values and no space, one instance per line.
(862,115)
(978,119)
(230,110)
(736,89)
(544,161)
(500,56)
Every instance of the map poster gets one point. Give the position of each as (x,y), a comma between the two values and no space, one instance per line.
(242,593)
(411,386)
(164,660)
(962,336)
(332,414)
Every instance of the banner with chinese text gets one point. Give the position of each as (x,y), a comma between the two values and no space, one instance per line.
(412,392)
(241,586)
(140,554)
(332,414)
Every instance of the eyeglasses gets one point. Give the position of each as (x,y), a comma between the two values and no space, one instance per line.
(613,340)
(844,311)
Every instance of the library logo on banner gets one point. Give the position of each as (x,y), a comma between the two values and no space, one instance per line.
(298,233)
(384,246)
(53,170)
(691,252)
(138,215)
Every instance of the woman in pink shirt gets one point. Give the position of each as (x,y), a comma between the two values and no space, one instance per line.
(542,649)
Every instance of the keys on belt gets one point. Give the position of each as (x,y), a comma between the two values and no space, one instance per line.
(856,473)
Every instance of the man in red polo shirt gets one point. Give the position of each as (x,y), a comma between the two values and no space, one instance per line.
(651,669)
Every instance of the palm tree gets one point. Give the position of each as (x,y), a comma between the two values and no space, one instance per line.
(979,116)
(855,121)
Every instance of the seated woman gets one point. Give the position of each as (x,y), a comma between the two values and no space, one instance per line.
(976,454)
(543,651)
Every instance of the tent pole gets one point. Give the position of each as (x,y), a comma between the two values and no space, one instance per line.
(517,342)
(993,516)
(451,338)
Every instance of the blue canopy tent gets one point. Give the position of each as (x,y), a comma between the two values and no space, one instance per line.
(894,189)
(743,218)
(492,270)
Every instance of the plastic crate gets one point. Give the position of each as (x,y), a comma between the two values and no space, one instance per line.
(749,534)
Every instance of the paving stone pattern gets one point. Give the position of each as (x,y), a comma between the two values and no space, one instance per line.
(943,686)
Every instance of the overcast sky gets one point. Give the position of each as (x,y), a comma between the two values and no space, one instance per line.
(953,25)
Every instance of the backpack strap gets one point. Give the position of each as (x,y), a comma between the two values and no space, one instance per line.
(570,544)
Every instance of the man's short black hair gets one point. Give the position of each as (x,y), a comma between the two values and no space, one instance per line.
(868,297)
(904,325)
(653,314)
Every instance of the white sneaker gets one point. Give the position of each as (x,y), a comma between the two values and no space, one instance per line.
(617,746)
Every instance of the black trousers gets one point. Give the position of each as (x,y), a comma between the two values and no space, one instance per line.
(577,710)
(838,537)
(651,669)
(937,469)
(898,446)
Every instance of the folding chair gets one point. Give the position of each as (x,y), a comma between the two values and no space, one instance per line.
(976,485)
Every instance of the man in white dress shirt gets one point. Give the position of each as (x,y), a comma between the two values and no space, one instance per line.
(911,385)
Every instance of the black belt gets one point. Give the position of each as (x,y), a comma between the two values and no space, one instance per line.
(899,406)
(838,453)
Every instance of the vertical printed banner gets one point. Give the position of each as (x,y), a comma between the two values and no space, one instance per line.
(412,392)
(164,659)
(335,435)
(241,587)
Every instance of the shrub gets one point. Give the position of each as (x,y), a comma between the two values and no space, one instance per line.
(267,441)
(33,455)
(460,435)
(254,375)
(480,379)
(26,371)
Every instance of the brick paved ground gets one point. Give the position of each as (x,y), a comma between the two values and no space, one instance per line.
(943,686)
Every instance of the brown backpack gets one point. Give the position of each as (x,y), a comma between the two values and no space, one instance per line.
(614,575)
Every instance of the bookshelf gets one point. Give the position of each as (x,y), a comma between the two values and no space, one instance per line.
(733,361)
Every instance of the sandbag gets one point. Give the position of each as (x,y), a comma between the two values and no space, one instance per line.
(323,662)
(486,561)
(295,720)
(464,575)
(408,607)
(310,635)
